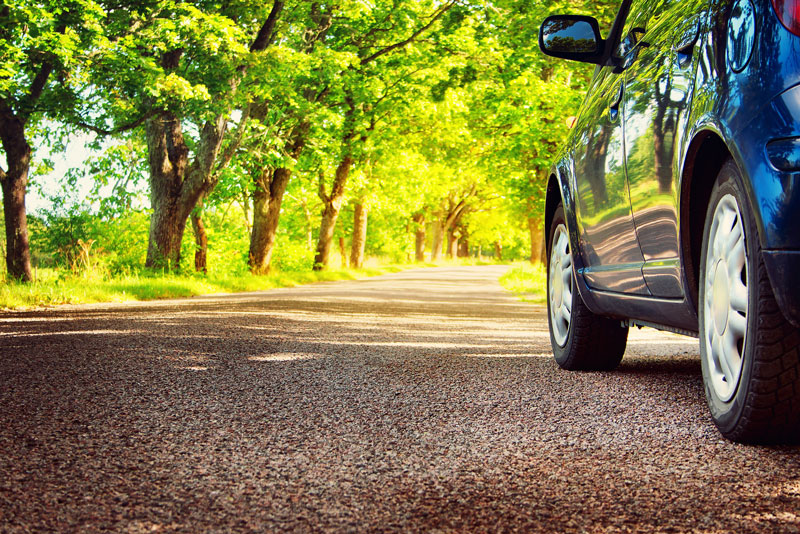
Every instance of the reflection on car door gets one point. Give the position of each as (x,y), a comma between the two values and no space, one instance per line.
(611,254)
(658,82)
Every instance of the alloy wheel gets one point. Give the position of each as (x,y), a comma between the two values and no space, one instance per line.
(560,285)
(725,298)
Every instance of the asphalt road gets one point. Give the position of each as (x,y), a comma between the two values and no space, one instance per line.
(421,401)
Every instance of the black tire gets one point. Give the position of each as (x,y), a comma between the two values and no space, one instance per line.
(763,405)
(589,342)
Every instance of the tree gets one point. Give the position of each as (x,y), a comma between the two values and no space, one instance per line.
(44,45)
(181,69)
(270,186)
(373,87)
(296,103)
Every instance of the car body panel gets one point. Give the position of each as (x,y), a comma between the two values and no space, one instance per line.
(607,234)
(749,109)
(628,229)
(658,92)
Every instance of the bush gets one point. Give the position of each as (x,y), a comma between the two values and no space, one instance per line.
(291,256)
(81,242)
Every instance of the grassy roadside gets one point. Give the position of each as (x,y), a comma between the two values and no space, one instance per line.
(528,281)
(52,288)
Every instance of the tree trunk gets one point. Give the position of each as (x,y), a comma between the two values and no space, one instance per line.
(175,184)
(359,236)
(498,250)
(267,199)
(438,238)
(448,222)
(270,187)
(200,239)
(419,244)
(14,181)
(166,235)
(452,243)
(168,158)
(245,205)
(343,252)
(537,239)
(18,255)
(330,213)
(419,237)
(463,247)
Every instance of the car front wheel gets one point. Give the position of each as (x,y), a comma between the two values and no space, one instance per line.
(580,339)
(749,352)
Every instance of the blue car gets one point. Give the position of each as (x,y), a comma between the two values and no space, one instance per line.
(675,202)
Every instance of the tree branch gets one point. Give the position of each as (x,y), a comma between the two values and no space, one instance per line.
(267,31)
(235,142)
(171,60)
(321,191)
(376,28)
(39,82)
(324,21)
(6,28)
(119,129)
(458,210)
(400,79)
(436,16)
(37,86)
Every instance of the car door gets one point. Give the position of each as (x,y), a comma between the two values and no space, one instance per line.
(659,73)
(609,246)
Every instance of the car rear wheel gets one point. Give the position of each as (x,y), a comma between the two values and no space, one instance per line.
(580,339)
(749,352)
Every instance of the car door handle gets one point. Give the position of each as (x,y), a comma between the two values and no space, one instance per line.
(684,48)
(684,53)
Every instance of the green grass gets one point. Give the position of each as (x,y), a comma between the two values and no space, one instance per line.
(528,281)
(52,288)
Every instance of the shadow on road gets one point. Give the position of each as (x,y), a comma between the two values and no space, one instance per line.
(419,401)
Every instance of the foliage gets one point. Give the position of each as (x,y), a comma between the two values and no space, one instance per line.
(528,281)
(67,239)
(79,241)
(56,33)
(440,105)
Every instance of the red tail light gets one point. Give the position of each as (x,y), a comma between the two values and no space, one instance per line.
(788,12)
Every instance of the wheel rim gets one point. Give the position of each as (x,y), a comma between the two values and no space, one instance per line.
(725,298)
(560,285)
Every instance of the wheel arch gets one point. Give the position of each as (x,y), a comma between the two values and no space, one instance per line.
(552,200)
(560,191)
(705,156)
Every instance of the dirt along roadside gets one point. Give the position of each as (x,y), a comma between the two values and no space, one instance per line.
(425,400)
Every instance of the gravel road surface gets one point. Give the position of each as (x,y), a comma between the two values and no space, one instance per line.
(423,401)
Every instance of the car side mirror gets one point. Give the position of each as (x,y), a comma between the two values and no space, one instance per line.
(573,37)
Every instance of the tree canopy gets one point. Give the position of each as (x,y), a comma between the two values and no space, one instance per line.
(295,121)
